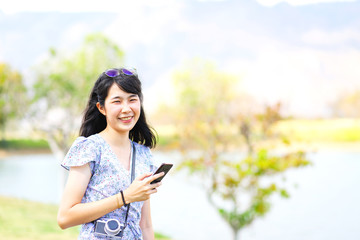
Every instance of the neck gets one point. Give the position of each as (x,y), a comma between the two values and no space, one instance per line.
(115,138)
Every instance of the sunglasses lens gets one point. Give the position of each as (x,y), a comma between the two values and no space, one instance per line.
(127,72)
(112,73)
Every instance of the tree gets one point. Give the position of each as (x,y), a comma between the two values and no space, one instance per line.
(63,86)
(347,104)
(211,125)
(13,99)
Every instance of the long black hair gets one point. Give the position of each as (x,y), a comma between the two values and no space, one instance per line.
(94,122)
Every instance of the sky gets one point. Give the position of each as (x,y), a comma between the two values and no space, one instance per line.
(304,53)
(16,6)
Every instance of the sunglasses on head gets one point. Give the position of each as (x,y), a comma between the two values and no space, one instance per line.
(114,72)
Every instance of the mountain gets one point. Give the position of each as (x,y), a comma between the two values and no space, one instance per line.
(304,56)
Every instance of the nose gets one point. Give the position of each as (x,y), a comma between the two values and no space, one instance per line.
(126,108)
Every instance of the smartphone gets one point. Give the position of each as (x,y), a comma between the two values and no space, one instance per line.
(165,167)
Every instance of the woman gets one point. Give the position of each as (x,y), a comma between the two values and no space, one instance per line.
(99,184)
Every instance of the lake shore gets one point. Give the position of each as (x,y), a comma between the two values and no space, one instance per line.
(339,170)
(307,146)
(350,147)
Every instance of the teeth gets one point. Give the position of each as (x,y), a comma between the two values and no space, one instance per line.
(126,118)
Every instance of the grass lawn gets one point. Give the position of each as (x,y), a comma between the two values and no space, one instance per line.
(26,220)
(20,219)
(339,130)
(24,144)
(322,130)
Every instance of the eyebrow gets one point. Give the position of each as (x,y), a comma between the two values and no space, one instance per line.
(118,97)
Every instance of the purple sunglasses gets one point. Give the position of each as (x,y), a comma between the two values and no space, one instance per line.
(114,72)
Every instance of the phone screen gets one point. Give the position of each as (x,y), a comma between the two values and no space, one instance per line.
(165,167)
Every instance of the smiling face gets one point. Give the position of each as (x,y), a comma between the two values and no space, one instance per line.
(121,109)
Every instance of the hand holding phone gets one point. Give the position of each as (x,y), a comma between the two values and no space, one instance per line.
(165,167)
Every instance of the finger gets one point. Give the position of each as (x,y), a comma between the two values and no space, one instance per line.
(157,184)
(152,191)
(143,176)
(152,178)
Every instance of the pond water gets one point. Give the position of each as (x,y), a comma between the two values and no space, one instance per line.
(325,204)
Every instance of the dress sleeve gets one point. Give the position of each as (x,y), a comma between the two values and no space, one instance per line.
(82,151)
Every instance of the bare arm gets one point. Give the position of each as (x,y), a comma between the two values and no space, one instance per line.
(146,222)
(72,212)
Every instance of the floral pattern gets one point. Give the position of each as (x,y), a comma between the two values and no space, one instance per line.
(108,178)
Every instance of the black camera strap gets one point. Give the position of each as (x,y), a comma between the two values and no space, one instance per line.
(132,178)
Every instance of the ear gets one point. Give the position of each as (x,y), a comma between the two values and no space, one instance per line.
(101,108)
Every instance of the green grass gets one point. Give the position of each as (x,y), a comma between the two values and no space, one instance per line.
(20,220)
(23,144)
(26,220)
(297,130)
(302,130)
(328,130)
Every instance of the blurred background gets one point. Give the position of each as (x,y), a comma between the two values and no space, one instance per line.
(256,102)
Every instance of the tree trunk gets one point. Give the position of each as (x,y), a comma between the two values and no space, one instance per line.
(235,234)
(59,155)
(2,133)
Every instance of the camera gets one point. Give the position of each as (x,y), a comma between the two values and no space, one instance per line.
(111,228)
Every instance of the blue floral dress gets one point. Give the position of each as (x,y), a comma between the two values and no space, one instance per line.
(108,178)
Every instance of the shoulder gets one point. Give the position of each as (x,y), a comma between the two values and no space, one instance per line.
(85,141)
(82,151)
(142,150)
(144,157)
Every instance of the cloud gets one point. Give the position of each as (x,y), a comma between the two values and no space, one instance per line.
(270,3)
(306,80)
(143,22)
(118,6)
(73,34)
(333,38)
(211,0)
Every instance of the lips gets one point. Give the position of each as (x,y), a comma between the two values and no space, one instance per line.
(126,119)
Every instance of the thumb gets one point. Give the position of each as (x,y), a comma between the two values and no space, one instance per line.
(143,176)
